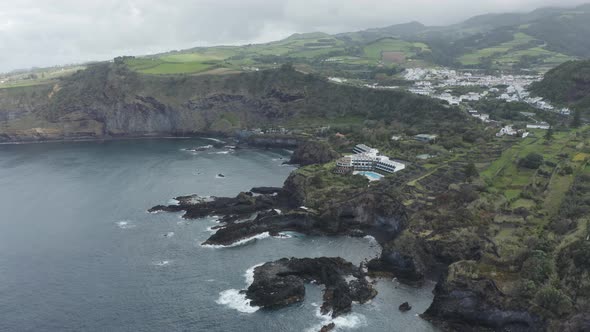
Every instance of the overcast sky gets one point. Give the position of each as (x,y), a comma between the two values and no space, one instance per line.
(51,32)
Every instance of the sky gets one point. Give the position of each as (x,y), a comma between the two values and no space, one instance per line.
(39,33)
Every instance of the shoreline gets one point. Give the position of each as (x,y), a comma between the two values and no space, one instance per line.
(111,139)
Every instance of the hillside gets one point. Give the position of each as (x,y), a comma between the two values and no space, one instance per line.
(109,100)
(539,40)
(568,84)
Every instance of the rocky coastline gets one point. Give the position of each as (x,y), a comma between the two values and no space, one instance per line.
(282,283)
(438,238)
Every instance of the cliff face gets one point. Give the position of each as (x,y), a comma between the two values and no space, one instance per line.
(108,100)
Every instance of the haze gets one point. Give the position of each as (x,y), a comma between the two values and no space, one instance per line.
(52,32)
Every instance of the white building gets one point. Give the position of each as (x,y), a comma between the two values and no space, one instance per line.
(367,159)
(362,148)
(508,131)
(540,125)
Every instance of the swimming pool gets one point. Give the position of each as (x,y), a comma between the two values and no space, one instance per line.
(372,176)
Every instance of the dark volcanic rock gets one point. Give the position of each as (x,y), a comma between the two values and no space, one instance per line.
(270,222)
(405,307)
(464,304)
(195,207)
(266,190)
(328,328)
(578,323)
(313,152)
(407,267)
(281,282)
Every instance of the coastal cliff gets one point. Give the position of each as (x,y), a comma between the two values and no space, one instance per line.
(107,100)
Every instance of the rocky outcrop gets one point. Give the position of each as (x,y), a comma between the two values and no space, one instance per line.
(265,222)
(240,206)
(405,307)
(266,190)
(282,282)
(463,303)
(313,152)
(577,323)
(403,264)
(378,214)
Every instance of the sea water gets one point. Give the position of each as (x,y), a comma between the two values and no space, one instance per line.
(79,252)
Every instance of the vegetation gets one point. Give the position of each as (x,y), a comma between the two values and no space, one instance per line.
(567,84)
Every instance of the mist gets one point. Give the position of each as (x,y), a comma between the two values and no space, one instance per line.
(54,32)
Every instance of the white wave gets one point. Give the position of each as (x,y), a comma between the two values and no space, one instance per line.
(173,201)
(249,274)
(233,299)
(346,322)
(214,139)
(169,234)
(240,242)
(371,239)
(124,224)
(161,263)
(278,211)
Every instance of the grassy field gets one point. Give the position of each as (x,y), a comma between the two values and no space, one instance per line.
(475,57)
(299,48)
(505,54)
(374,50)
(506,177)
(36,76)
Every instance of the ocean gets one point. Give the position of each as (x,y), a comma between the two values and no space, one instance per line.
(80,252)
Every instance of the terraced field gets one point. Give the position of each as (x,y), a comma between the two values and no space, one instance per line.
(513,181)
(299,49)
(509,53)
(379,48)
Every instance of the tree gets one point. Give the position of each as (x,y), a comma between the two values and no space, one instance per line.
(549,134)
(471,172)
(577,120)
(532,161)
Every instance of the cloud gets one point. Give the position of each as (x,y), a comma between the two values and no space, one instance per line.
(50,32)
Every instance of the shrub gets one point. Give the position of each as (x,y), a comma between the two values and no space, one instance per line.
(537,267)
(553,300)
(531,161)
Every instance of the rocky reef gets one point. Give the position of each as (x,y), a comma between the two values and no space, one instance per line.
(276,210)
(282,282)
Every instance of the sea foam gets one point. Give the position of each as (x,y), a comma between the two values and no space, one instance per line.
(124,224)
(240,242)
(233,299)
(161,263)
(350,321)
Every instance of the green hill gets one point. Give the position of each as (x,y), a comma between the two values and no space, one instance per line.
(110,100)
(539,40)
(567,84)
